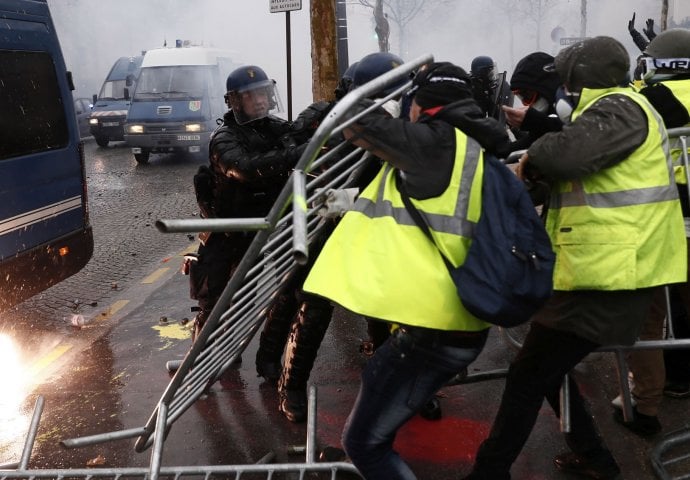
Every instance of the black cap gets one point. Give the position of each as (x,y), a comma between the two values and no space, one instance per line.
(439,84)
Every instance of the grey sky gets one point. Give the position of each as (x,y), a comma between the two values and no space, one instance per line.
(94,33)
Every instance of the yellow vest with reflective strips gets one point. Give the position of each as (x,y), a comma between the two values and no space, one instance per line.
(380,264)
(681,90)
(620,228)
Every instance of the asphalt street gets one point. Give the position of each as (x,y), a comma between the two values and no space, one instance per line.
(108,375)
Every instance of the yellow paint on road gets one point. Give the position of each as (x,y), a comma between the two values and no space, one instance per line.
(49,358)
(174,330)
(155,276)
(113,309)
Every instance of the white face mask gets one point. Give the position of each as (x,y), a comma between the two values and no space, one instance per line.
(541,105)
(565,104)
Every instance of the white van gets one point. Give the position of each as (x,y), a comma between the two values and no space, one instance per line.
(178,97)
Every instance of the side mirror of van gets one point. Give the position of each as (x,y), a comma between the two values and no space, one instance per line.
(94,98)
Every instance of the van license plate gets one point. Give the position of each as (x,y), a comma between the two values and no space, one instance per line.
(188,137)
(111,124)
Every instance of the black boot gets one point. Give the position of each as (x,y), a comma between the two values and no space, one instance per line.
(273,337)
(303,344)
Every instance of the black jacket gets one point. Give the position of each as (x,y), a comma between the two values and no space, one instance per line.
(251,164)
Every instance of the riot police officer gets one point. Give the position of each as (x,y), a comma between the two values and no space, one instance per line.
(250,161)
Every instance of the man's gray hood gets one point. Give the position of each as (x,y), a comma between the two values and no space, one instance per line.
(598,62)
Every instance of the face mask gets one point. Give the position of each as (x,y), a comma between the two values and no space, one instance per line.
(541,105)
(565,104)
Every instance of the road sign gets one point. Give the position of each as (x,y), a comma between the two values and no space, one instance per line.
(571,40)
(278,6)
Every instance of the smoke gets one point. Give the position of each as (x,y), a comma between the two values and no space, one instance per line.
(94,33)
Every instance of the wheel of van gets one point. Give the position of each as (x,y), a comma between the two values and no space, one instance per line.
(102,141)
(142,157)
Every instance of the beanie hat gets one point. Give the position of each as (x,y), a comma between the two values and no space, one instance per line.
(530,74)
(439,84)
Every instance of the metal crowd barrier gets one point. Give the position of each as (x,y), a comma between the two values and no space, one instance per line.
(316,470)
(280,244)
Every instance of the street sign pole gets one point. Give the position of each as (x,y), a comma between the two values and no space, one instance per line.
(288,56)
(277,6)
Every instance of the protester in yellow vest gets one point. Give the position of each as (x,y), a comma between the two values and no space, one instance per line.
(666,76)
(613,219)
(380,264)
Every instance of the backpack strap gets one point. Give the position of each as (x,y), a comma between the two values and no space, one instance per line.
(415,214)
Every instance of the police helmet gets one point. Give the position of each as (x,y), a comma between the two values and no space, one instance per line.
(345,83)
(483,67)
(374,65)
(672,43)
(666,57)
(251,94)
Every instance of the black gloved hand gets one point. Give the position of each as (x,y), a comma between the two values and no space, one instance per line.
(294,153)
(649,30)
(631,24)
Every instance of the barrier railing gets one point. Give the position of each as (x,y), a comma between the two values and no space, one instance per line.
(279,245)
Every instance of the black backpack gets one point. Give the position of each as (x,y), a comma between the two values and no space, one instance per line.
(507,275)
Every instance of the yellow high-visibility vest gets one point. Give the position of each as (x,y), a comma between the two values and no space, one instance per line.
(620,228)
(380,264)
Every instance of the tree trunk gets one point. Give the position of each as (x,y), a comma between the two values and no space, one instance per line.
(382,28)
(324,49)
(664,15)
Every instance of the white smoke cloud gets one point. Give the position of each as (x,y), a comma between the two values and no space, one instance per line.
(94,33)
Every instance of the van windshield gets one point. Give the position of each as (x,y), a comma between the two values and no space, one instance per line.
(113,90)
(174,82)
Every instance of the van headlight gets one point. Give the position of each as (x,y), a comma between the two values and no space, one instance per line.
(135,128)
(93,121)
(193,127)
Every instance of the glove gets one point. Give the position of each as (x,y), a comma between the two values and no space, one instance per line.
(631,24)
(649,31)
(295,153)
(335,202)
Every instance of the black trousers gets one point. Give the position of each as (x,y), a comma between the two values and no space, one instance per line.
(537,373)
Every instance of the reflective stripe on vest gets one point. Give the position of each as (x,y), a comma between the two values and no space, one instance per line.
(619,228)
(457,224)
(577,196)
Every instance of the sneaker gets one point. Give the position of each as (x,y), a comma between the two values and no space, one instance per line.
(618,402)
(677,389)
(643,425)
(599,467)
(293,404)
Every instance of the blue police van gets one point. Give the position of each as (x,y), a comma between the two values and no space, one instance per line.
(110,106)
(177,100)
(45,233)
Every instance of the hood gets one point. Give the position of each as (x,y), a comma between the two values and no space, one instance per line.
(470,118)
(598,62)
(529,74)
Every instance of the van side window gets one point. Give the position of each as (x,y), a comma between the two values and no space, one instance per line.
(33,116)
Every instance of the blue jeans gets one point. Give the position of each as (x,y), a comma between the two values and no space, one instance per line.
(402,375)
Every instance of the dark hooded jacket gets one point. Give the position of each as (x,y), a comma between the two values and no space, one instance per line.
(604,134)
(425,150)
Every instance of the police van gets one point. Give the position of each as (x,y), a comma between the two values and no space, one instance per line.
(45,232)
(109,111)
(178,97)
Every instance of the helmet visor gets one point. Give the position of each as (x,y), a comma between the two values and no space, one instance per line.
(255,101)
